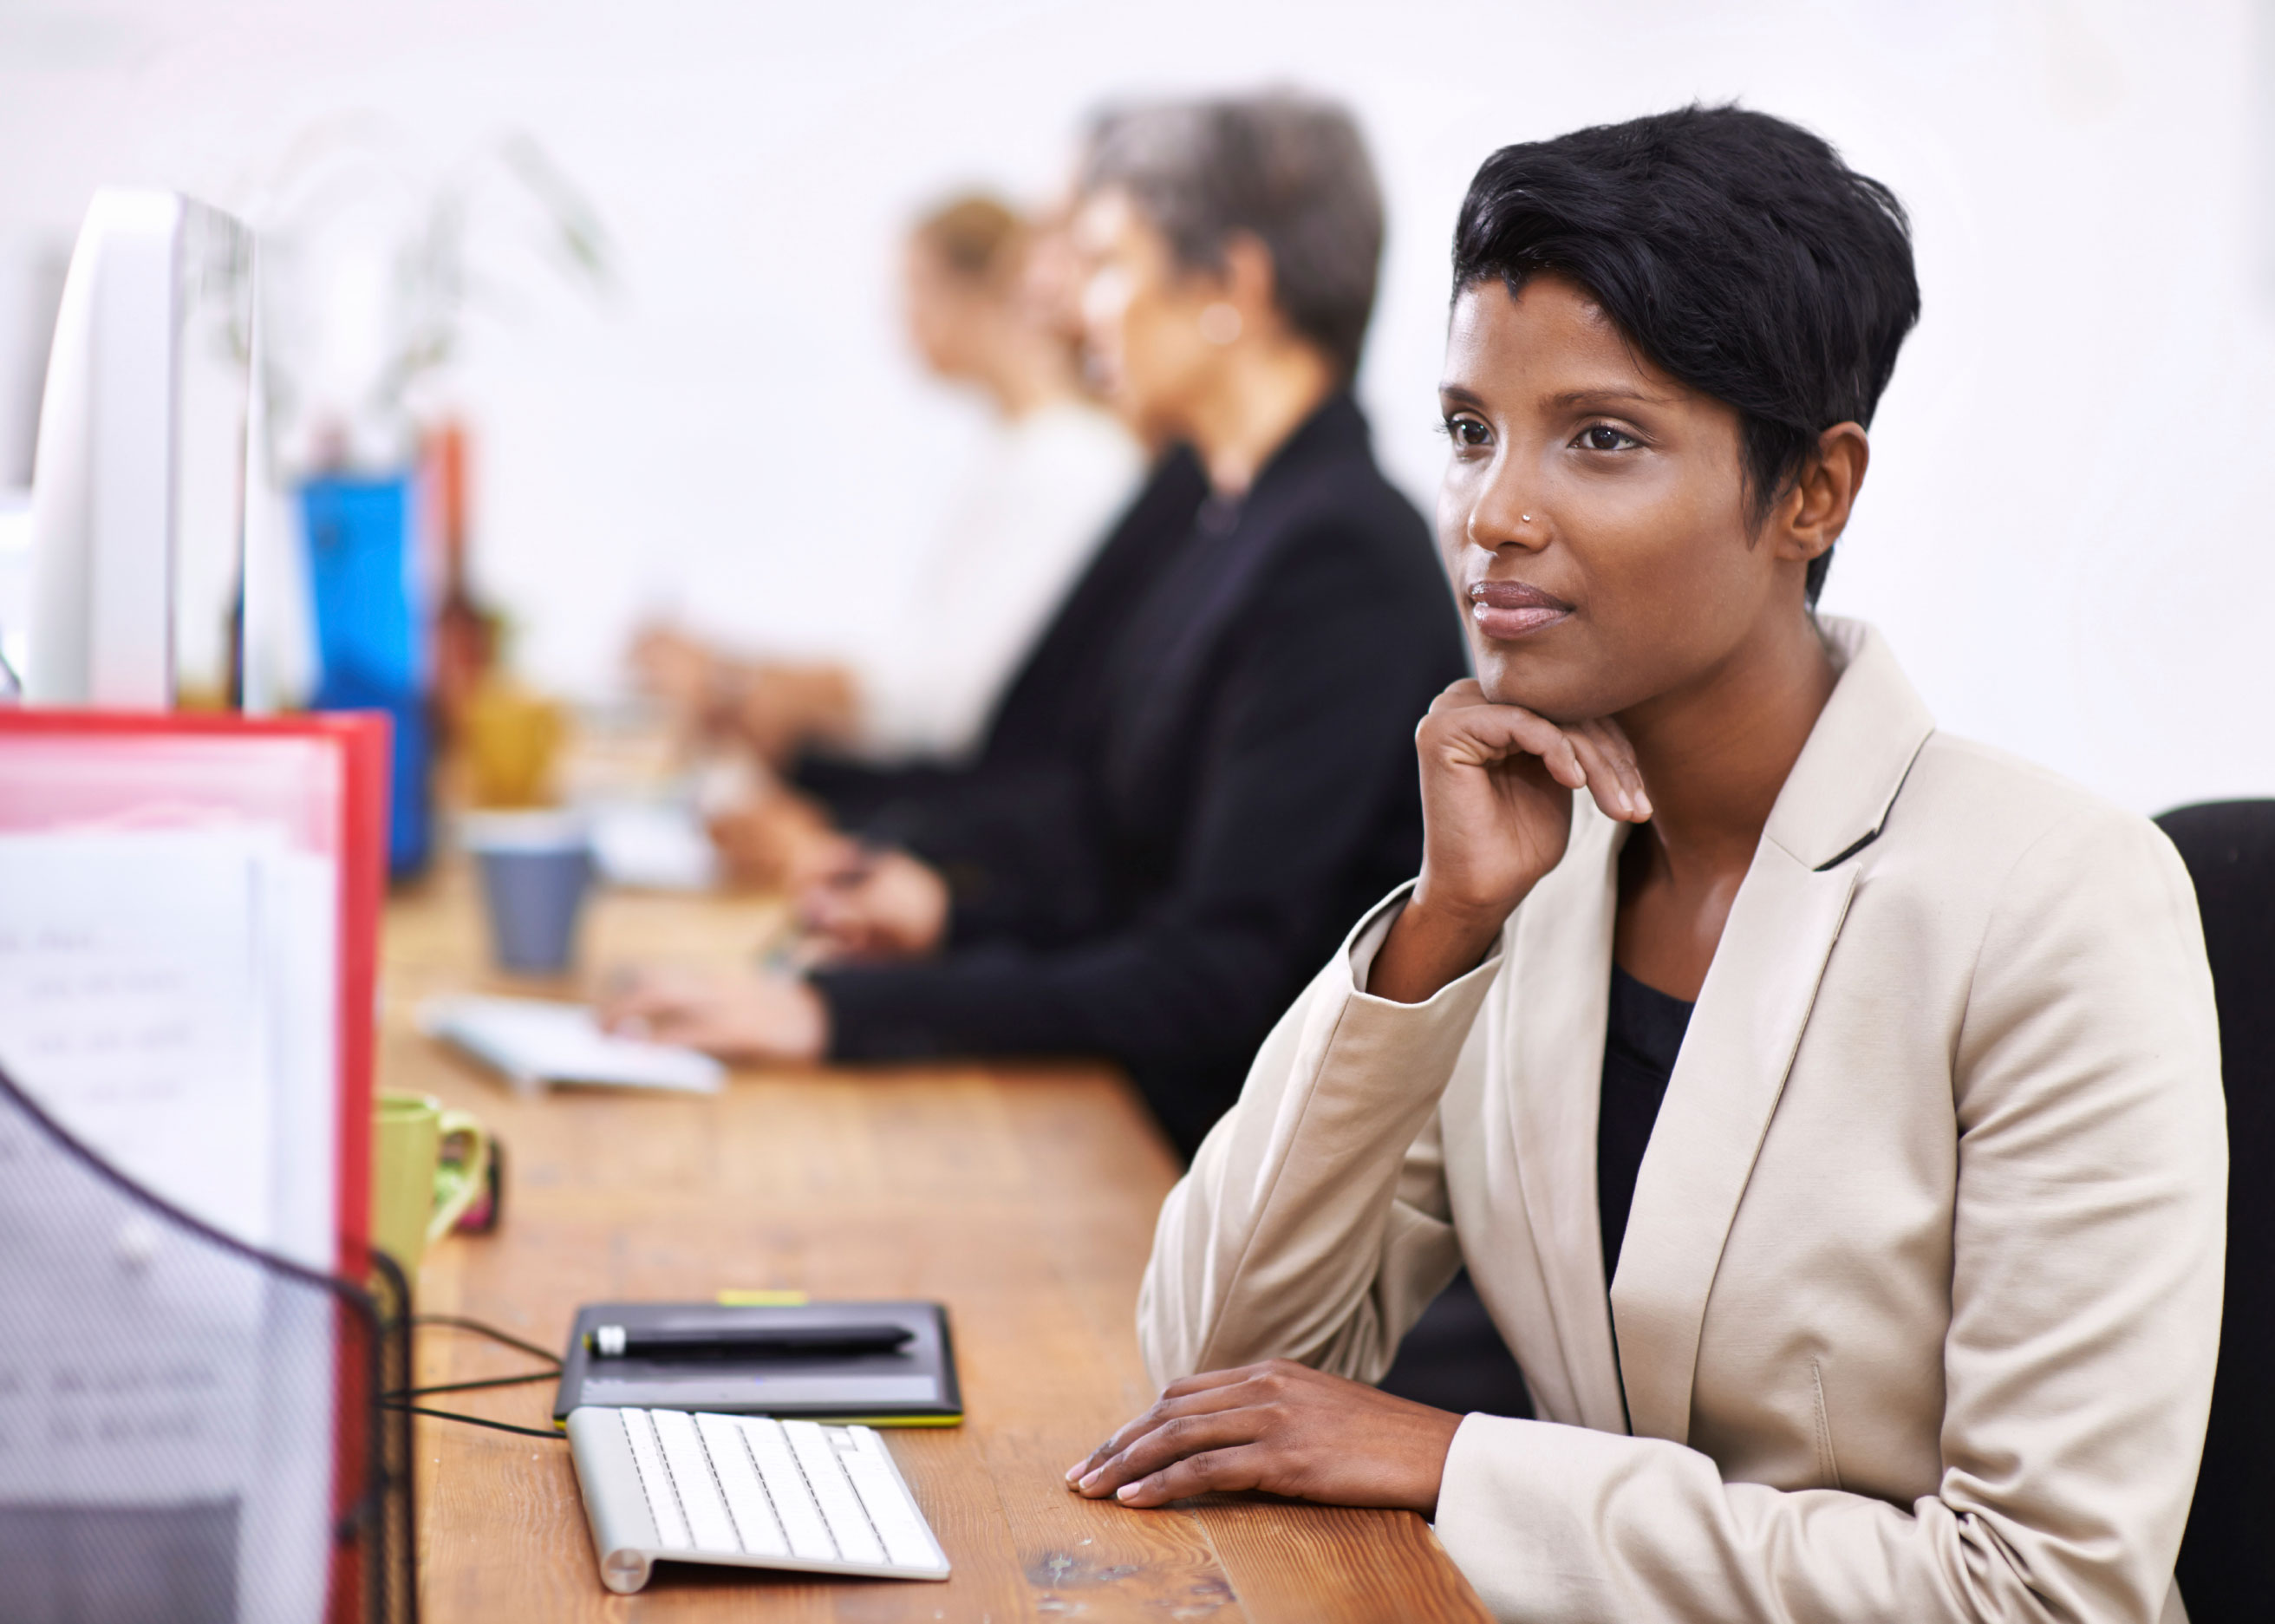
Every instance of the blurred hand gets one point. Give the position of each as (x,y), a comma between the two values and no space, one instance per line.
(741,1015)
(781,709)
(676,669)
(1279,1427)
(778,843)
(869,904)
(1497,783)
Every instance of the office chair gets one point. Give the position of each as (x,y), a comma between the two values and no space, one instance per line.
(2227,1559)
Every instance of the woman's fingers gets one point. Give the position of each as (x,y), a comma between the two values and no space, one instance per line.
(1607,754)
(1611,777)
(1594,755)
(686,1029)
(1172,1441)
(1283,1427)
(1481,735)
(659,1008)
(1185,1387)
(645,995)
(744,1015)
(840,913)
(1219,1471)
(1208,1391)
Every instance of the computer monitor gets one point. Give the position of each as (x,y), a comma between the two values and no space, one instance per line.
(138,482)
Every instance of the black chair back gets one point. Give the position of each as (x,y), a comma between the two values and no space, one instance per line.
(2227,1561)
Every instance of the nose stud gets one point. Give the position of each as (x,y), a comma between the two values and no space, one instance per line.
(1524,518)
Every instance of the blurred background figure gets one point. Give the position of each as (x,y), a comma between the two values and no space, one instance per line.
(983,306)
(1225,707)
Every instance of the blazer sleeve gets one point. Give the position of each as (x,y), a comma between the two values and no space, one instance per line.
(857,792)
(2089,1237)
(1314,1224)
(1021,846)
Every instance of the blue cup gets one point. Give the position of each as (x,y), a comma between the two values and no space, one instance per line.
(535,868)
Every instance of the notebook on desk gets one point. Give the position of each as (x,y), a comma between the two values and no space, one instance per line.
(533,1042)
(911,1385)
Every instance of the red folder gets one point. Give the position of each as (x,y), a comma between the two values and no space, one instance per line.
(322,778)
(324,781)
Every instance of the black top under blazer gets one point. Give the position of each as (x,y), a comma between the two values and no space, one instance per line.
(1202,778)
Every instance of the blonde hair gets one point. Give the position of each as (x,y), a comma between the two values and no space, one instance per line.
(978,238)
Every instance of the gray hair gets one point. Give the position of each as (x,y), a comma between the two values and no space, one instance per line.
(1290,170)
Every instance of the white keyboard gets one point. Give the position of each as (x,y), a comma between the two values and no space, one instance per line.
(662,1485)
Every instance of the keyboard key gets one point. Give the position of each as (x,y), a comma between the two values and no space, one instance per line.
(655,1482)
(738,1480)
(907,1542)
(801,1519)
(849,1524)
(690,1474)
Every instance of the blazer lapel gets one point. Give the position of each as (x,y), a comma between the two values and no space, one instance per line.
(1749,1021)
(1719,1101)
(1554,1001)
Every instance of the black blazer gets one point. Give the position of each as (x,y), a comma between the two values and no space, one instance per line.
(1222,780)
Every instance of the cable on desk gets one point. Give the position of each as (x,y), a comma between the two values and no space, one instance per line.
(478,1421)
(458,1322)
(468,1387)
(397,1399)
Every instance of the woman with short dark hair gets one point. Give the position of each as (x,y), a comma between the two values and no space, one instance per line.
(1828,1109)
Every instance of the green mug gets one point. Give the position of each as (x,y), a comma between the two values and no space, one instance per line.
(428,1165)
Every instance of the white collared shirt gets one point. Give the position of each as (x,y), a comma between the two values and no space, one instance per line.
(1025,524)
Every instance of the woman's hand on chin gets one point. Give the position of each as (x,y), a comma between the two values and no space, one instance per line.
(1497,783)
(741,1015)
(1279,1427)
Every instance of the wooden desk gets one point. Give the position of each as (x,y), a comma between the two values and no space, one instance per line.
(1023,1197)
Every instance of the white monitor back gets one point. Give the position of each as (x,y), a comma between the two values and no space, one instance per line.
(140,479)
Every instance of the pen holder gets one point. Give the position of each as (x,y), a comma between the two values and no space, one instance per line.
(535,868)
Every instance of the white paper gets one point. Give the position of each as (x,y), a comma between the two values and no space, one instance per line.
(300,930)
(652,846)
(132,1013)
(531,1042)
(171,999)
(133,1361)
(133,1008)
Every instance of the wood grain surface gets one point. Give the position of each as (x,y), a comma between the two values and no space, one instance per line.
(1023,1196)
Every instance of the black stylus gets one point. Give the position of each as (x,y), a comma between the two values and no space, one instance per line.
(628,1342)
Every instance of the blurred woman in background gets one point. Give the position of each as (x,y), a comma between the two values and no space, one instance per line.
(1234,775)
(924,686)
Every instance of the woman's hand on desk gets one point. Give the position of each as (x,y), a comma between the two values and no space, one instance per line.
(875,904)
(744,1014)
(1497,783)
(773,841)
(674,667)
(1279,1427)
(780,709)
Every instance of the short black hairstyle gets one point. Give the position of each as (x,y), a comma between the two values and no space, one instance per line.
(1735,251)
(1288,169)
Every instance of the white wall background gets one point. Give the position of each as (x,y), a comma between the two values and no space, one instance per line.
(2067,530)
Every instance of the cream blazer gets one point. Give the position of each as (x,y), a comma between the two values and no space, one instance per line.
(1917,1309)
